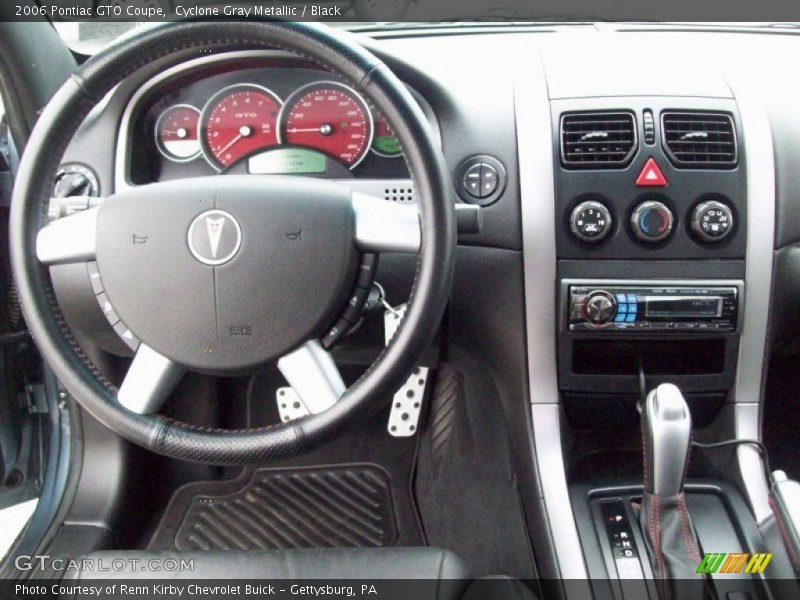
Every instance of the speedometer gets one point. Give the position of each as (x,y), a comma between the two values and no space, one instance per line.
(238,121)
(329,117)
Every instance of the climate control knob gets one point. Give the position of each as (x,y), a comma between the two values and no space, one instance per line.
(590,221)
(712,221)
(600,307)
(652,221)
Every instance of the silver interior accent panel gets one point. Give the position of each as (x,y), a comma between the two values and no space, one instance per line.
(149,381)
(68,206)
(401,191)
(385,226)
(537,195)
(313,375)
(747,395)
(68,240)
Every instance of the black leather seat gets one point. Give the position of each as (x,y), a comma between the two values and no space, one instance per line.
(431,573)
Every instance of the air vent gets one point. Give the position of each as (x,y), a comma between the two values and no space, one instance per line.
(699,140)
(597,140)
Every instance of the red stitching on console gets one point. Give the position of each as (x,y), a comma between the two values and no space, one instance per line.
(688,540)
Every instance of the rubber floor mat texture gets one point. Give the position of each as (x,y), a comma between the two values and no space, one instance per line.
(349,506)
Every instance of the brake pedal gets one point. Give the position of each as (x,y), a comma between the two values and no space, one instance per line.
(290,407)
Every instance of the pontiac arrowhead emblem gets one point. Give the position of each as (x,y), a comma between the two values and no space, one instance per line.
(214,237)
(214,227)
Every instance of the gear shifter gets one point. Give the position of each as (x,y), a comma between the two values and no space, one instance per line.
(667,432)
(669,535)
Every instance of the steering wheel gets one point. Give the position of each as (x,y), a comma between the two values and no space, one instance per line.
(222,275)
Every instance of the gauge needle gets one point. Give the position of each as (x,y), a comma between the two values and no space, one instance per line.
(244,131)
(229,145)
(324,129)
(181,133)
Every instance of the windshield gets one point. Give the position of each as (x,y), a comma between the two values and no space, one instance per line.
(89,37)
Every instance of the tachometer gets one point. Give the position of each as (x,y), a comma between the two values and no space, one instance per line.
(177,135)
(384,143)
(237,121)
(329,117)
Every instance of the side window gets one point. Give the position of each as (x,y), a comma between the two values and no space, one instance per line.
(5,158)
(21,427)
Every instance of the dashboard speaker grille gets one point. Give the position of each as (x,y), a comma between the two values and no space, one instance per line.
(699,140)
(400,193)
(598,140)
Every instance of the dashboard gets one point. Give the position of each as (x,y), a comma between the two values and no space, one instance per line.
(583,275)
(257,113)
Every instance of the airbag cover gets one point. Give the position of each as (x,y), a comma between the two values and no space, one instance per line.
(266,266)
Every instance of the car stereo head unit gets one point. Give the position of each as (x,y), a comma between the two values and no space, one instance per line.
(685,308)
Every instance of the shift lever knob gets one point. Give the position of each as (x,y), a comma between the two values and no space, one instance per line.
(667,432)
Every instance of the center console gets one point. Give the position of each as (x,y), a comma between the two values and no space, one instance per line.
(650,281)
(662,221)
(650,245)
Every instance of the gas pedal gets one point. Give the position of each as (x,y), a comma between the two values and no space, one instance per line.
(407,401)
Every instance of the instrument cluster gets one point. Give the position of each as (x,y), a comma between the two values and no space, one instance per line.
(273,119)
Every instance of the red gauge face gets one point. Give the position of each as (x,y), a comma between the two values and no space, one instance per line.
(330,118)
(177,136)
(238,121)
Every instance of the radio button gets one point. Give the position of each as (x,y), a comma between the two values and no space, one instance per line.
(630,318)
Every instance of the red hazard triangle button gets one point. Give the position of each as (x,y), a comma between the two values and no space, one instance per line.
(651,175)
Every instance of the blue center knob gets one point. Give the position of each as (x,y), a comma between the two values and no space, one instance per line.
(652,221)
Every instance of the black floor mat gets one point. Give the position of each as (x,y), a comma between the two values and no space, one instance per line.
(465,485)
(336,506)
(364,445)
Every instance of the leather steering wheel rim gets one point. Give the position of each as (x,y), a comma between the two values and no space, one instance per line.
(171,44)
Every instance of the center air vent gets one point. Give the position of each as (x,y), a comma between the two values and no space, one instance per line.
(597,140)
(699,140)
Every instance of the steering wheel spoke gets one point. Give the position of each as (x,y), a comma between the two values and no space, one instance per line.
(149,381)
(70,239)
(313,375)
(383,226)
